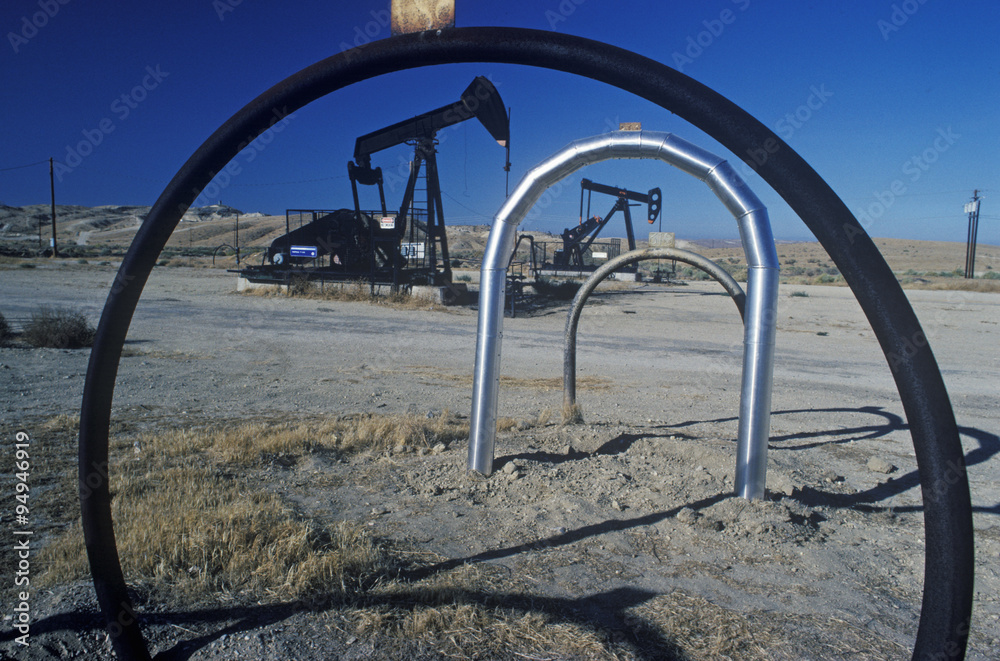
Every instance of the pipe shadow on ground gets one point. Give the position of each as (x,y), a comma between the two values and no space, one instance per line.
(616,445)
(565,538)
(603,613)
(592,611)
(989,446)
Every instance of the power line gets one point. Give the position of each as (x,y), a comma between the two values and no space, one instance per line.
(478,213)
(232,184)
(19,167)
(286,183)
(908,194)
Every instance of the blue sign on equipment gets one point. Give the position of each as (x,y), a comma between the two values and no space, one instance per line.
(304,251)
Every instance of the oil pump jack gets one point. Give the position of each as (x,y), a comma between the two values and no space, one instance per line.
(480,100)
(577,240)
(405,245)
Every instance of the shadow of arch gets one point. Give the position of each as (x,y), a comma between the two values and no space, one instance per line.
(989,447)
(947,594)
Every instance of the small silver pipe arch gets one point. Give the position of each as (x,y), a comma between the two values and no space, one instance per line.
(576,307)
(762,287)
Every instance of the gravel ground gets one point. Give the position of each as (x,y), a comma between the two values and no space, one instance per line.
(599,517)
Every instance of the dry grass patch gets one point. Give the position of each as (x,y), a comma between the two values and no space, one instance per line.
(957,284)
(477,631)
(62,423)
(367,432)
(540,420)
(464,379)
(460,615)
(250,443)
(191,532)
(352,292)
(187,525)
(705,631)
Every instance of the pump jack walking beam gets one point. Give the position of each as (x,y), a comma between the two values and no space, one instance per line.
(574,243)
(480,100)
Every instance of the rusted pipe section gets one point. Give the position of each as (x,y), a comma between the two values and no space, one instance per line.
(597,277)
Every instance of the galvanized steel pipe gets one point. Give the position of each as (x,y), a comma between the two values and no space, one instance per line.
(762,287)
(590,284)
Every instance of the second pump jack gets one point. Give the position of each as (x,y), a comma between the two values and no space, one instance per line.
(576,240)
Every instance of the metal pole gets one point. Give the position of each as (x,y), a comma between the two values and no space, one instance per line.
(970,248)
(52,189)
(975,232)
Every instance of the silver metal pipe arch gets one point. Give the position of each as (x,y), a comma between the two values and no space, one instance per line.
(576,307)
(762,287)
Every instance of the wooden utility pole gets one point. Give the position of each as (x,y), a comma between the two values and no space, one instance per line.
(972,208)
(52,188)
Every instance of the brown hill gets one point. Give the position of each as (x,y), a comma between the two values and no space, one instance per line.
(916,262)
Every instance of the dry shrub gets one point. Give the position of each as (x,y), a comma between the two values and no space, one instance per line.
(58,328)
(562,290)
(5,332)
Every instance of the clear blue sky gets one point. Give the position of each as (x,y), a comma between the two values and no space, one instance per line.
(887,82)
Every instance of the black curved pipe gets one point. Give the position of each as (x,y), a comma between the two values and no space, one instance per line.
(720,275)
(948,572)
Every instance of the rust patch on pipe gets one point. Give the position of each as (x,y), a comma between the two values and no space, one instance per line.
(419,15)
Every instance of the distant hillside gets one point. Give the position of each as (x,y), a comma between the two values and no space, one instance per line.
(211,226)
(109,224)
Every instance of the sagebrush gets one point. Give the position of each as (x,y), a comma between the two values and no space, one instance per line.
(58,328)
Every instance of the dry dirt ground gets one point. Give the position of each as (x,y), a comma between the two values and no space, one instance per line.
(606,525)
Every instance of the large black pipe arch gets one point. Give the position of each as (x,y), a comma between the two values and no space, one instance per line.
(948,564)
